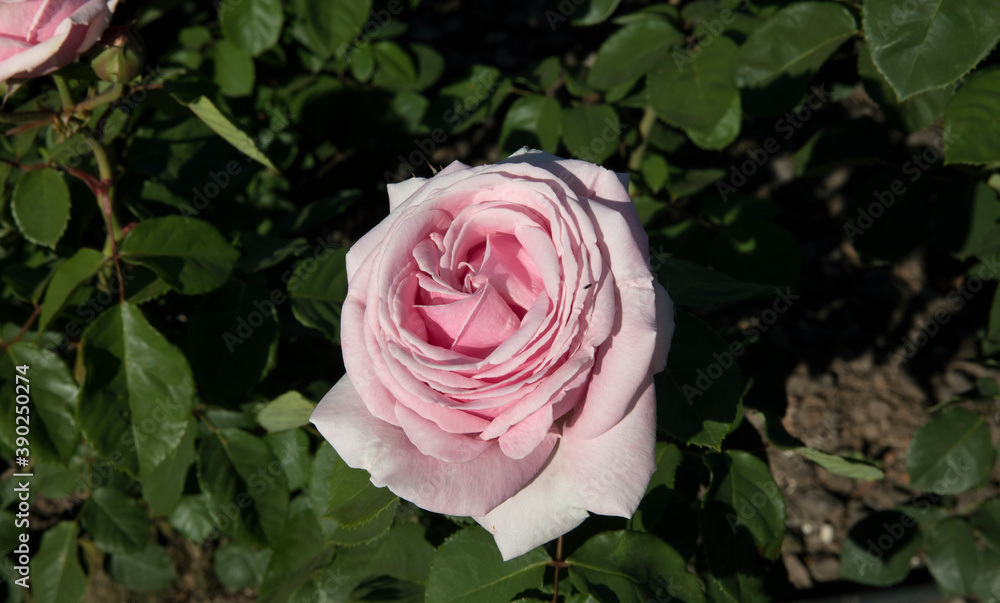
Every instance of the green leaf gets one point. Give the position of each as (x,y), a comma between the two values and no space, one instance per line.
(291,448)
(697,96)
(189,254)
(757,250)
(987,521)
(952,556)
(694,286)
(222,125)
(636,567)
(287,411)
(991,343)
(533,121)
(62,578)
(67,277)
(925,45)
(632,51)
(253,25)
(698,396)
(234,69)
(331,25)
(40,205)
(162,488)
(591,132)
(148,570)
(742,497)
(951,453)
(591,12)
(691,182)
(193,517)
(986,585)
(840,465)
(396,70)
(138,393)
(318,288)
(298,552)
(468,567)
(974,231)
(238,566)
(354,500)
(878,549)
(402,553)
(913,114)
(52,391)
(245,483)
(116,521)
(321,482)
(725,132)
(233,338)
(655,171)
(781,56)
(843,143)
(971,132)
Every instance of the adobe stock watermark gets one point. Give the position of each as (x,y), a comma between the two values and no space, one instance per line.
(892,533)
(902,13)
(371,29)
(486,82)
(706,377)
(786,126)
(118,112)
(748,507)
(957,298)
(914,169)
(293,278)
(715,28)
(219,181)
(567,8)
(666,590)
(226,513)
(595,149)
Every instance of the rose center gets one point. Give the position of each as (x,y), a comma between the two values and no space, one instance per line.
(475,305)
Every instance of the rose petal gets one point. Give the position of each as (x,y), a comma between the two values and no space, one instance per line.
(607,475)
(524,437)
(433,441)
(471,488)
(622,363)
(399,192)
(474,326)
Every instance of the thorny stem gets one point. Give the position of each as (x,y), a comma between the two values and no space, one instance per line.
(108,96)
(26,117)
(103,193)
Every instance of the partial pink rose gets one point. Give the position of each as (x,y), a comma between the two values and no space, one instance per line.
(39,36)
(500,334)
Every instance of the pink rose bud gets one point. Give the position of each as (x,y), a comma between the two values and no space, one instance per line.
(120,55)
(39,36)
(500,334)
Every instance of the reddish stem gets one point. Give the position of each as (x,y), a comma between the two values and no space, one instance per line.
(24,329)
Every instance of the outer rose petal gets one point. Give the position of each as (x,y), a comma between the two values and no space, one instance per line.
(540,158)
(606,475)
(401,191)
(471,488)
(70,38)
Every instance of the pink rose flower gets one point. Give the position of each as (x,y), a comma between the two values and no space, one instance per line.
(500,334)
(40,36)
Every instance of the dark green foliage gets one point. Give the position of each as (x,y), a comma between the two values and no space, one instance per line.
(181,324)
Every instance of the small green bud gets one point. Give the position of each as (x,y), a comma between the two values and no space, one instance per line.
(120,55)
